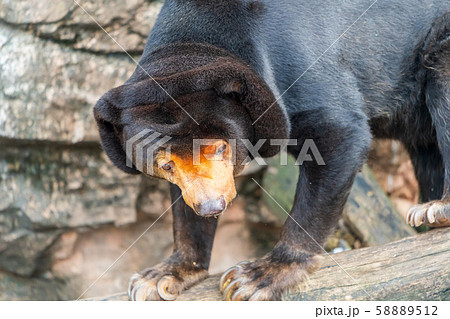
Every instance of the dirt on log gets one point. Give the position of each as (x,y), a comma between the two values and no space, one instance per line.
(414,268)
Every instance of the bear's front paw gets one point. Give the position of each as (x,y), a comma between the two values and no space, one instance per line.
(264,279)
(164,281)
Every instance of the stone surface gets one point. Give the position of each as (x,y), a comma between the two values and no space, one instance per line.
(153,199)
(128,22)
(116,250)
(34,11)
(46,189)
(50,78)
(18,288)
(48,91)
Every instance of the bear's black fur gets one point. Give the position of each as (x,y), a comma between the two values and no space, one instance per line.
(388,76)
(182,69)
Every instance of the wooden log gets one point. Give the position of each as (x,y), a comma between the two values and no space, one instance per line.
(414,268)
(369,213)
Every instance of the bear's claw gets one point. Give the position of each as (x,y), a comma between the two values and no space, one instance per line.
(163,288)
(227,276)
(434,214)
(158,283)
(262,279)
(142,289)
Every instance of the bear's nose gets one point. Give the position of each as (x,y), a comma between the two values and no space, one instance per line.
(211,208)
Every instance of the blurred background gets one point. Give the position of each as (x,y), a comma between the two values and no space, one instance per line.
(66,213)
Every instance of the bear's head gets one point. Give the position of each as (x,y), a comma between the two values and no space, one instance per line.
(187,115)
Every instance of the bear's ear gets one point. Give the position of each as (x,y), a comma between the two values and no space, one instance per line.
(108,117)
(269,119)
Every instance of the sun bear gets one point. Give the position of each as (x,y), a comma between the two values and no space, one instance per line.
(246,73)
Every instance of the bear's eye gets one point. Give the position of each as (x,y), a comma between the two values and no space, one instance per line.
(221,149)
(168,166)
